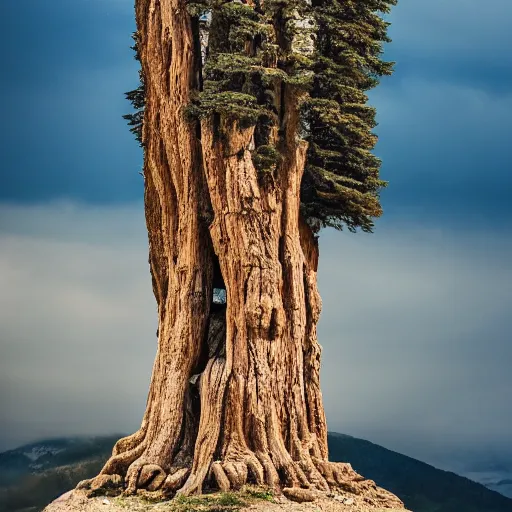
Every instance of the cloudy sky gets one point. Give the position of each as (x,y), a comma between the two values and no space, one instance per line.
(416,322)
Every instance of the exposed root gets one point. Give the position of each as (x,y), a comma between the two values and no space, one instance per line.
(221,477)
(111,485)
(151,477)
(327,470)
(242,467)
(175,480)
(118,464)
(144,475)
(342,476)
(315,477)
(193,485)
(290,471)
(271,475)
(255,469)
(300,495)
(321,477)
(246,468)
(130,442)
(237,474)
(132,476)
(310,479)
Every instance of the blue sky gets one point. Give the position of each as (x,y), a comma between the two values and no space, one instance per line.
(416,321)
(64,135)
(443,116)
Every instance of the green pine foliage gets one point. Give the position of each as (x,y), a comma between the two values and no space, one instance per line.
(341,183)
(137,98)
(239,75)
(330,53)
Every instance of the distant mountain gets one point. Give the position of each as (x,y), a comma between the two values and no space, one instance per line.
(43,455)
(422,487)
(33,475)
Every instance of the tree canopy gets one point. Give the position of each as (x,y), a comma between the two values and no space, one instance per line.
(330,53)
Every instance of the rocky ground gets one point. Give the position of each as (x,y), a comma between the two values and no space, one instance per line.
(249,499)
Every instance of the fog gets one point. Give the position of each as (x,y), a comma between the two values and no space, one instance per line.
(415,330)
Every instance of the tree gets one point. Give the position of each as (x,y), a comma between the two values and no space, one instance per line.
(256,134)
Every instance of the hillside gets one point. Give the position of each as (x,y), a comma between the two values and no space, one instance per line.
(33,475)
(422,487)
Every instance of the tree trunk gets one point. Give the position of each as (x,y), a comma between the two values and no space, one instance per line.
(235,393)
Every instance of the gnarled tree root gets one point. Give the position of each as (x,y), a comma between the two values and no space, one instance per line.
(110,485)
(259,469)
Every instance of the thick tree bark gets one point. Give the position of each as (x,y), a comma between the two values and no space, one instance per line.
(235,392)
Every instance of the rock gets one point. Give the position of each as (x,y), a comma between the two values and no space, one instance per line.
(106,482)
(350,487)
(65,497)
(299,495)
(103,485)
(84,484)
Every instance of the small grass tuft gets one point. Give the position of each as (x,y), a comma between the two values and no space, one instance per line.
(258,493)
(151,497)
(191,500)
(230,499)
(223,502)
(121,502)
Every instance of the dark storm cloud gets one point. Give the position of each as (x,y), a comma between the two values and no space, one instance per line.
(443,115)
(445,152)
(65,73)
(439,31)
